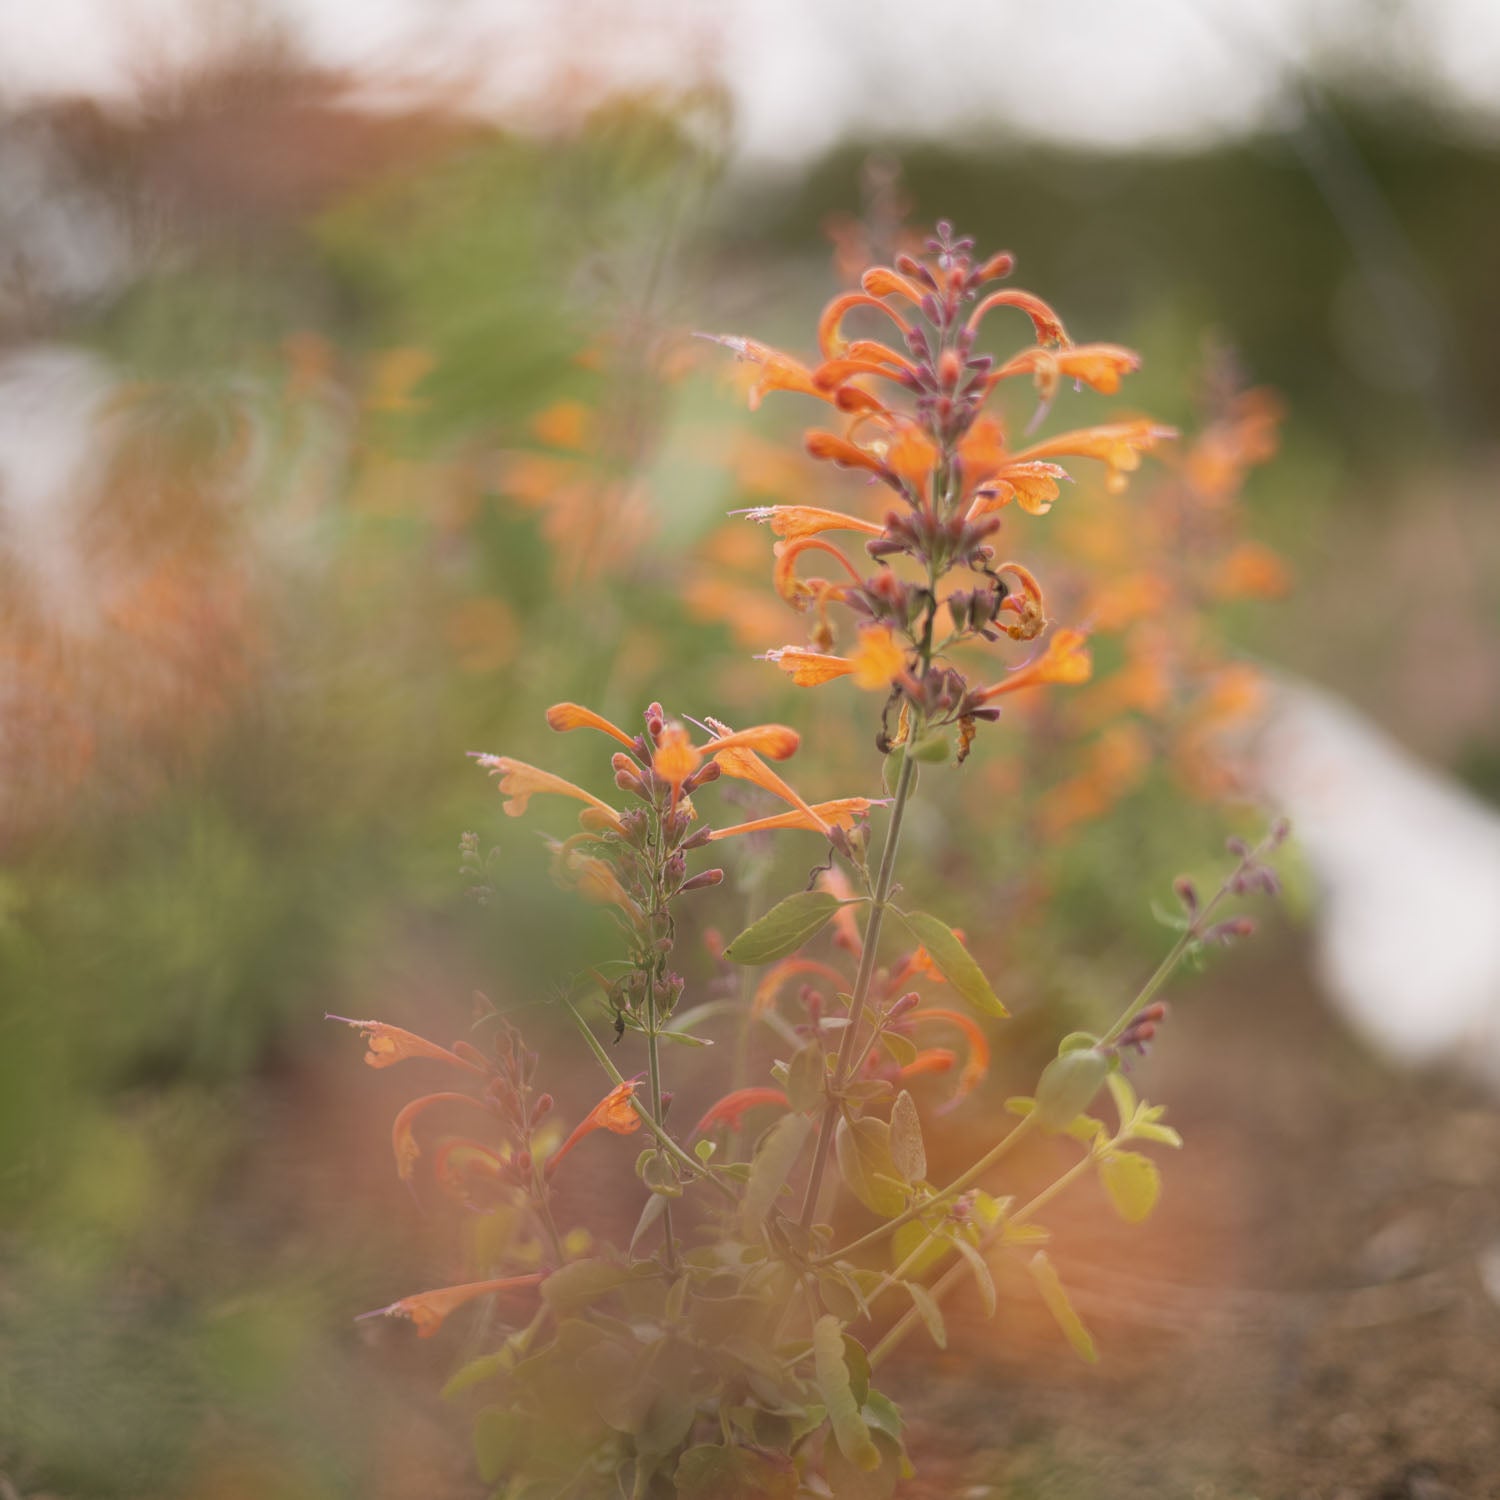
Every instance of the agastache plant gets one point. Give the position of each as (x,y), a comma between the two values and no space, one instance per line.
(730,1350)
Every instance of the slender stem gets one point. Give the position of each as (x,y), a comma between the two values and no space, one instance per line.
(880,899)
(681,1157)
(1022,1128)
(653,1061)
(950,1278)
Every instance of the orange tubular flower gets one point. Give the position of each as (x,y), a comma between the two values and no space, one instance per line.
(403,1137)
(614,1112)
(731,1109)
(428,1309)
(793,522)
(390,1044)
(799,592)
(778,974)
(677,757)
(1098,365)
(1065,660)
(779,372)
(874,663)
(930,1060)
(746,765)
(566,716)
(1118,444)
(839,814)
(1048,325)
(520,782)
(828,325)
(979,1048)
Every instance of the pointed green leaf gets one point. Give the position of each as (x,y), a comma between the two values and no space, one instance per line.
(784,928)
(499,1438)
(774,1159)
(907,1150)
(849,1429)
(1055,1295)
(805,1075)
(1132,1182)
(954,961)
(1124,1097)
(929,1311)
(980,1267)
(914,1238)
(1163,1135)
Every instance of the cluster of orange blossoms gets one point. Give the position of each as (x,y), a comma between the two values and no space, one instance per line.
(917,424)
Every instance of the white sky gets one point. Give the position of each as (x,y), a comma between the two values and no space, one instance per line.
(805,72)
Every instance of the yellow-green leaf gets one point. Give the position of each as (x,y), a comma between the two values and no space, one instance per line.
(1055,1295)
(1132,1182)
(863,1148)
(849,1429)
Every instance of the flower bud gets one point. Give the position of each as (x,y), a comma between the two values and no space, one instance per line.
(542,1109)
(701,881)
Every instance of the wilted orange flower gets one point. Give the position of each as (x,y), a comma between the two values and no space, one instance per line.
(615,1112)
(428,1309)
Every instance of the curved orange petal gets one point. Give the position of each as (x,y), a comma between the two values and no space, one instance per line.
(840,813)
(566,716)
(1049,327)
(732,1107)
(979,1048)
(1066,660)
(778,974)
(808,668)
(614,1112)
(403,1136)
(828,325)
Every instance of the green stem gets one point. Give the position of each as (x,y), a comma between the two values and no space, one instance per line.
(653,1061)
(880,899)
(951,1277)
(681,1157)
(971,1174)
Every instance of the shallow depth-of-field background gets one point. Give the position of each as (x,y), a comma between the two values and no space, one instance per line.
(339,438)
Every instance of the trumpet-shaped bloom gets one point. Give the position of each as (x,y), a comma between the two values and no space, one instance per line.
(840,813)
(978,1061)
(615,1112)
(874,663)
(520,782)
(677,757)
(390,1044)
(566,716)
(428,1309)
(791,522)
(732,1108)
(1065,660)
(403,1130)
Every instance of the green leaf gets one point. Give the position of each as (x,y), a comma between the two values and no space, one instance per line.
(477,1371)
(714,1473)
(954,961)
(864,1155)
(1055,1295)
(1124,1097)
(913,1237)
(582,1282)
(849,1482)
(684,1038)
(805,1076)
(980,1267)
(929,1311)
(1163,1135)
(907,1150)
(849,1429)
(775,1156)
(784,928)
(1132,1182)
(499,1436)
(655,1206)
